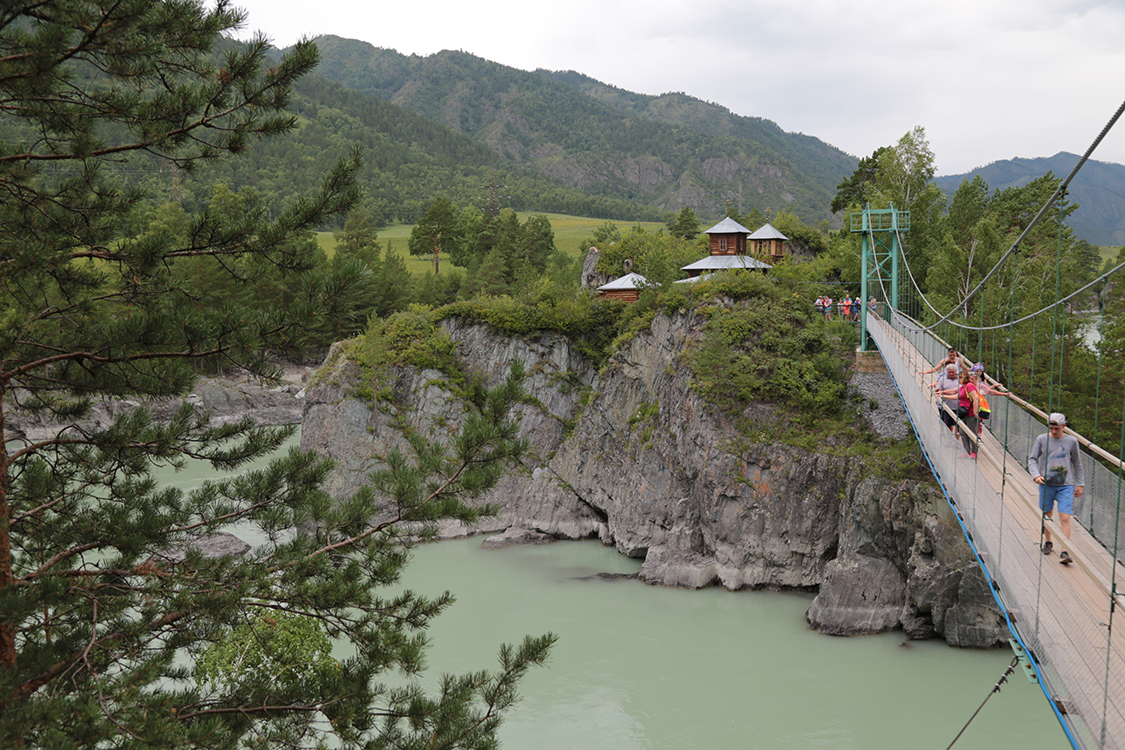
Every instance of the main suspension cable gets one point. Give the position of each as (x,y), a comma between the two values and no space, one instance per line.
(1059,191)
(995,689)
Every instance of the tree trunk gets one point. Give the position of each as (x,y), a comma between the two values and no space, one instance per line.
(7,632)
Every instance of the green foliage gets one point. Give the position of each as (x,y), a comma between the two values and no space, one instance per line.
(684,225)
(503,254)
(435,290)
(899,460)
(359,238)
(411,338)
(811,239)
(645,418)
(604,235)
(904,179)
(100,619)
(1096,186)
(655,255)
(770,347)
(854,192)
(279,651)
(573,125)
(437,230)
(591,322)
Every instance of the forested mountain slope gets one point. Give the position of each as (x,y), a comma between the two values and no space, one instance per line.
(670,151)
(812,156)
(1098,189)
(408,161)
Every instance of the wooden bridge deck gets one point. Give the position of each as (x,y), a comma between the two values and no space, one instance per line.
(1063,613)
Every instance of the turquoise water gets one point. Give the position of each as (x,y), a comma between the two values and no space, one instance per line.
(644,667)
(639,666)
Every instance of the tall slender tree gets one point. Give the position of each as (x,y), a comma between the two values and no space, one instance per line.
(437,231)
(684,224)
(99,623)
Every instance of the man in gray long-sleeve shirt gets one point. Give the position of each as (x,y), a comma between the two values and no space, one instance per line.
(1055,464)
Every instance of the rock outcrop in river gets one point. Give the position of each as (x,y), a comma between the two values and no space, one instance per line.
(633,456)
(225,399)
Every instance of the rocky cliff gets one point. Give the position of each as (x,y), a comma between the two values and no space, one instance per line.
(225,399)
(633,456)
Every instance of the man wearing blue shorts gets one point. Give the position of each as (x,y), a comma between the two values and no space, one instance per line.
(1055,464)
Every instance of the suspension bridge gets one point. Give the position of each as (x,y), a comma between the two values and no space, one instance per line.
(1064,619)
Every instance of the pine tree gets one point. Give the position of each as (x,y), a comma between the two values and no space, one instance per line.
(359,239)
(100,626)
(684,225)
(437,231)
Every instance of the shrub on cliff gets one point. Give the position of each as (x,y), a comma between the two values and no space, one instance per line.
(411,338)
(762,342)
(590,322)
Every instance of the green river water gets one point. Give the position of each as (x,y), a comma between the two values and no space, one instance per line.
(645,667)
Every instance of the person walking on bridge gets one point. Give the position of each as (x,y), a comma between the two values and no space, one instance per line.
(984,389)
(947,387)
(951,358)
(1055,464)
(968,409)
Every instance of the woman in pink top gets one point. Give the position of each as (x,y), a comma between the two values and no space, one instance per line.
(985,390)
(968,409)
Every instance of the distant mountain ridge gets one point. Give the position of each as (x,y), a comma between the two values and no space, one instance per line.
(669,151)
(1098,189)
(552,137)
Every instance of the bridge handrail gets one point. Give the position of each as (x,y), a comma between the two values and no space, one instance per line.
(1084,441)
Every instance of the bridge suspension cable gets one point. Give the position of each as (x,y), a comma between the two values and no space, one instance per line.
(1059,192)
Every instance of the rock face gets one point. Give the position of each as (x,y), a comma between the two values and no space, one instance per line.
(225,399)
(632,456)
(903,561)
(591,278)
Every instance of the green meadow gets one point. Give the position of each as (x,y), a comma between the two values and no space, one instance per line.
(571,232)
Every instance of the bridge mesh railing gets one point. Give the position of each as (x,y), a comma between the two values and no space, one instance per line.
(1080,661)
(1099,510)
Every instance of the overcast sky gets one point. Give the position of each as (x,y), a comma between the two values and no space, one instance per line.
(987,79)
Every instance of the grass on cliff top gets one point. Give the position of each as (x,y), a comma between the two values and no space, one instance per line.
(761,342)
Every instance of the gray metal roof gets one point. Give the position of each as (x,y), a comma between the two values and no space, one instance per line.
(768,232)
(727,226)
(628,281)
(725,262)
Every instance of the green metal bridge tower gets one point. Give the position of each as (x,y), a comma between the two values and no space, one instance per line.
(879,230)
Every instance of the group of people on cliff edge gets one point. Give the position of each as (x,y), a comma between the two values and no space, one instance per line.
(847,307)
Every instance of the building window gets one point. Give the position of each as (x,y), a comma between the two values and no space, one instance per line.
(722,243)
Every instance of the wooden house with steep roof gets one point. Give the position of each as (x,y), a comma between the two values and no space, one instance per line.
(767,243)
(728,237)
(628,287)
(729,245)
